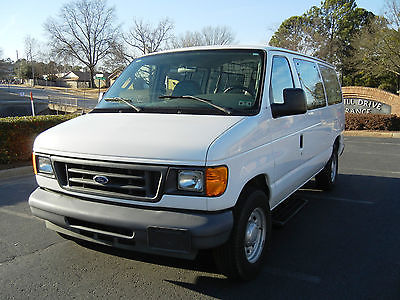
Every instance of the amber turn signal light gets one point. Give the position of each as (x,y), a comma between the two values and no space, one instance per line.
(34,163)
(216,181)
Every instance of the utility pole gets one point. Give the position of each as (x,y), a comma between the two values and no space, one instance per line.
(33,71)
(19,68)
(30,44)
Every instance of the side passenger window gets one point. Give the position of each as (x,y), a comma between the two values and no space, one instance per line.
(281,78)
(332,86)
(311,83)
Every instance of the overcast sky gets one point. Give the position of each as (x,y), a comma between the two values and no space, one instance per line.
(252,21)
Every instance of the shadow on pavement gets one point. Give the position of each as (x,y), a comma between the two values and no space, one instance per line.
(16,190)
(343,244)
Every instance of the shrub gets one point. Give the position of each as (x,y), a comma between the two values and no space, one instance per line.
(372,122)
(18,133)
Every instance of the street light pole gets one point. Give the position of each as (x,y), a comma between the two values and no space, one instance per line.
(33,72)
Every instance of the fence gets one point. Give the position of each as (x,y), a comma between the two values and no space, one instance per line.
(70,105)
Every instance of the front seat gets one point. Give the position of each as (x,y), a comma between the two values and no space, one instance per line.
(186,87)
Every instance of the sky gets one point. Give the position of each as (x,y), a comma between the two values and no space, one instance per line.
(252,21)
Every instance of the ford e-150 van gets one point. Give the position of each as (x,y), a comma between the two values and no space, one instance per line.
(193,149)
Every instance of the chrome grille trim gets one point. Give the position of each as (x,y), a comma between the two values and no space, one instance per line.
(74,170)
(126,181)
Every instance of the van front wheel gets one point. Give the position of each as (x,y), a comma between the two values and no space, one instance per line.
(242,256)
(326,179)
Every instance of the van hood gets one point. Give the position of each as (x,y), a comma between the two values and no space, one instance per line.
(136,136)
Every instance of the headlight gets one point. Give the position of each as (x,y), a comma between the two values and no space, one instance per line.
(211,181)
(42,164)
(192,181)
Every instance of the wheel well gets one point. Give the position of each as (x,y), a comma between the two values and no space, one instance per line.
(336,143)
(259,181)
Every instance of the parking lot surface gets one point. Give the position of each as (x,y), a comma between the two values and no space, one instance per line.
(15,101)
(344,244)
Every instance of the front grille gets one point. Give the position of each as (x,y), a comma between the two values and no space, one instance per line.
(123,181)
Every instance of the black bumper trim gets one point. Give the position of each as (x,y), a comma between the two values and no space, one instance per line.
(204,230)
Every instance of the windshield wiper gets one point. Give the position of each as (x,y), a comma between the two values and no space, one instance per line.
(225,110)
(123,100)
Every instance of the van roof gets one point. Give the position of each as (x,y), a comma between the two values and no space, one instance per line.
(254,47)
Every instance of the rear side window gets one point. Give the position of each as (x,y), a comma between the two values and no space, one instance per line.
(332,86)
(311,83)
(281,78)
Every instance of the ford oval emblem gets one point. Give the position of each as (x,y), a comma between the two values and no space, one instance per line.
(101,179)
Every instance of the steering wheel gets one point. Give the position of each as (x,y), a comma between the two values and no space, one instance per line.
(238,87)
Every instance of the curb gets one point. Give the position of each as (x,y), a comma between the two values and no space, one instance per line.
(15,172)
(365,133)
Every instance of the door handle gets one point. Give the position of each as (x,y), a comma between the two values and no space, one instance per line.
(301,141)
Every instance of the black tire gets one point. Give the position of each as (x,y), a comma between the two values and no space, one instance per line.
(326,179)
(240,260)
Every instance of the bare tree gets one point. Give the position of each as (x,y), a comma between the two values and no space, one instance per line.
(31,50)
(392,13)
(1,53)
(146,38)
(189,39)
(119,57)
(85,31)
(218,35)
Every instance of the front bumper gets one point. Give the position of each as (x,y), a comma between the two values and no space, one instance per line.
(157,231)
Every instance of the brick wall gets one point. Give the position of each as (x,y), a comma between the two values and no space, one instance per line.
(373,94)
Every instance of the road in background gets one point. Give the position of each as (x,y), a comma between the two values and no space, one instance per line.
(343,244)
(15,99)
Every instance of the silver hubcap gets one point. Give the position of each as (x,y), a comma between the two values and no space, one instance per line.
(333,168)
(255,235)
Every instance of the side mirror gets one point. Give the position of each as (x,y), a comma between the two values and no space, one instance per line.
(294,103)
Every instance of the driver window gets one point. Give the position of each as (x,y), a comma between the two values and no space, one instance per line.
(281,78)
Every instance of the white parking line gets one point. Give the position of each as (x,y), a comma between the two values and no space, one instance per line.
(294,275)
(18,214)
(369,170)
(350,200)
(323,197)
(306,193)
(376,143)
(373,153)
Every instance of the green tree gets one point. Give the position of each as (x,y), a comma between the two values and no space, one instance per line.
(23,69)
(326,31)
(6,69)
(336,23)
(295,34)
(378,47)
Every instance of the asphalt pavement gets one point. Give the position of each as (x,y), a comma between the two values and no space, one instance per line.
(15,99)
(343,244)
(12,105)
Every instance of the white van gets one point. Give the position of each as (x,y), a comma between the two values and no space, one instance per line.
(193,149)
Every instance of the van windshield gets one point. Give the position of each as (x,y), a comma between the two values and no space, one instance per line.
(192,82)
